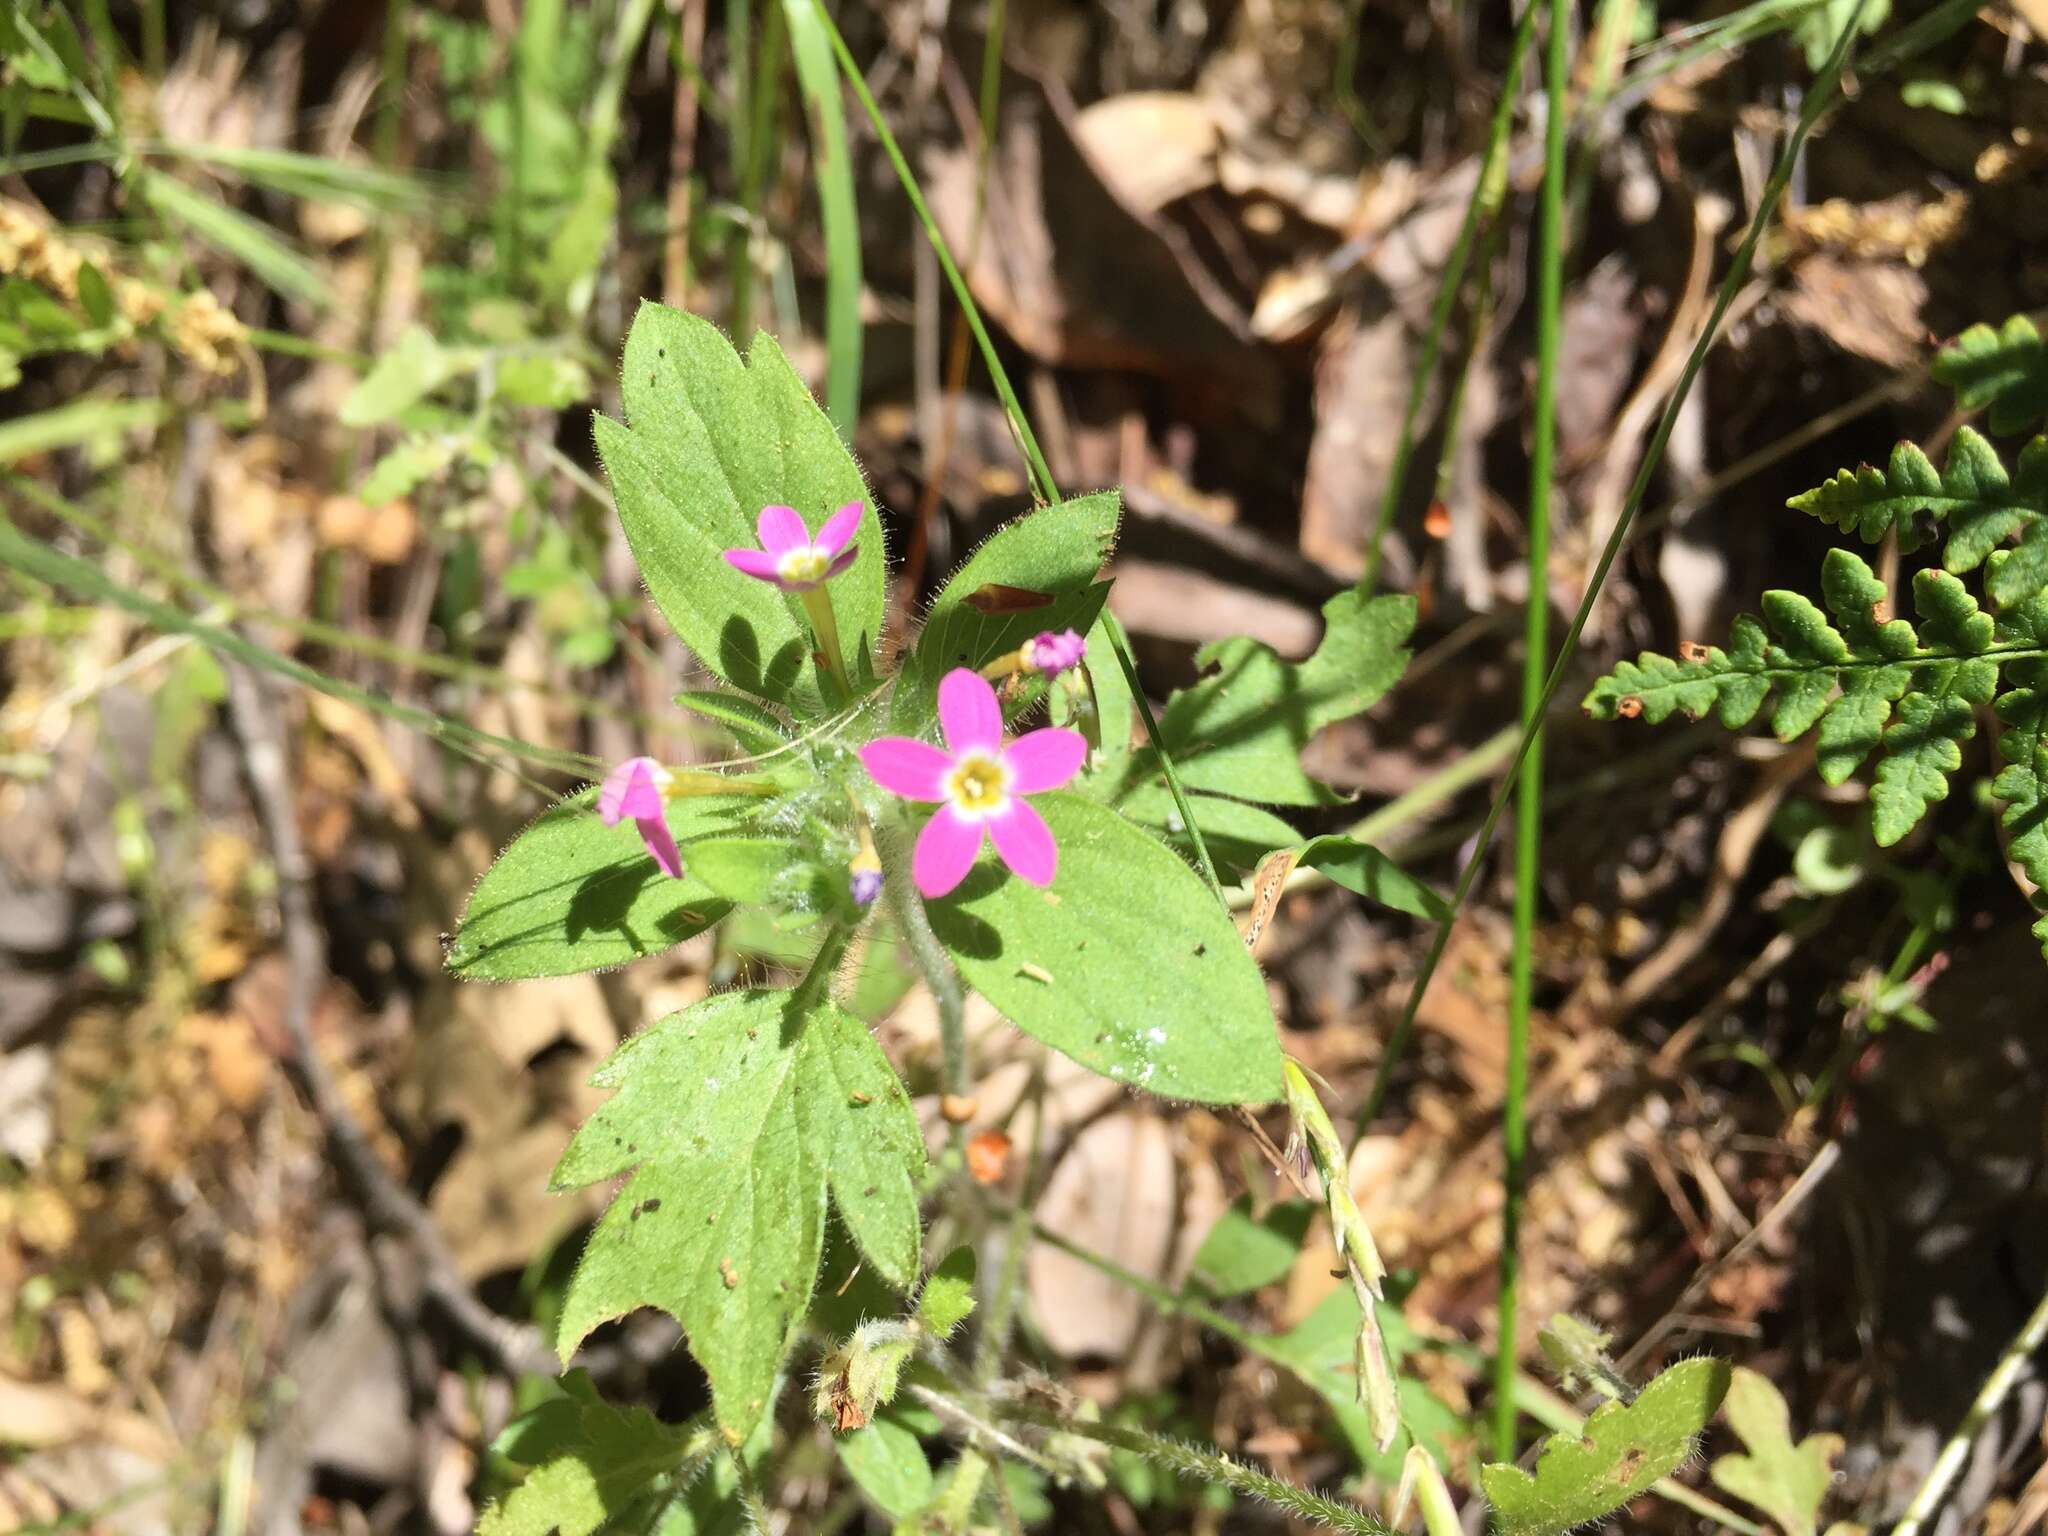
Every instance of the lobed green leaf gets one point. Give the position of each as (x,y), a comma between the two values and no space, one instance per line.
(591,1463)
(723,1116)
(2005,369)
(1786,1481)
(1622,1449)
(1240,730)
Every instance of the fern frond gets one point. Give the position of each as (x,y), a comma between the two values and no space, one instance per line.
(2022,783)
(1980,503)
(1868,681)
(2006,369)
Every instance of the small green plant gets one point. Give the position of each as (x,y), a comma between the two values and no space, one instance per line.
(1867,682)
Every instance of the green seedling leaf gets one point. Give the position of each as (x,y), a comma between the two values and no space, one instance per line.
(948,1294)
(889,1465)
(413,369)
(730,1118)
(1244,1252)
(95,295)
(1622,1450)
(712,441)
(1055,552)
(2005,369)
(1127,964)
(1241,729)
(591,1463)
(1786,1481)
(1372,874)
(571,894)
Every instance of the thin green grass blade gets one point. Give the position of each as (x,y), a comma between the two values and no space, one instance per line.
(1514,1122)
(66,426)
(1827,88)
(233,233)
(1043,485)
(43,563)
(1485,202)
(818,79)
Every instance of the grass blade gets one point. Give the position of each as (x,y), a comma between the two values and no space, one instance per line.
(817,78)
(233,233)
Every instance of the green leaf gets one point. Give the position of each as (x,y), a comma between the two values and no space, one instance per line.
(887,1462)
(1372,874)
(712,441)
(1851,729)
(95,296)
(1241,729)
(1237,835)
(948,1294)
(1127,964)
(717,1114)
(758,871)
(858,1119)
(571,894)
(754,728)
(1243,1252)
(591,1462)
(1818,25)
(544,379)
(2005,369)
(1056,550)
(1787,1482)
(1621,1451)
(401,471)
(414,368)
(2022,783)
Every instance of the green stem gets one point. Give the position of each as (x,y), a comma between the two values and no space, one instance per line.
(836,207)
(825,624)
(1817,102)
(1185,1460)
(1020,428)
(1120,643)
(1990,1398)
(1514,1124)
(1487,193)
(927,954)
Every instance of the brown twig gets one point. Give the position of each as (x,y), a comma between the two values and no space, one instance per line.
(384,1201)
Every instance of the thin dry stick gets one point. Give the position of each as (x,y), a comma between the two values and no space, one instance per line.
(385,1202)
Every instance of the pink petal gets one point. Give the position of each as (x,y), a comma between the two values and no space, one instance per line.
(905,766)
(839,528)
(630,790)
(1044,759)
(842,560)
(754,562)
(661,843)
(1025,842)
(781,530)
(968,712)
(945,852)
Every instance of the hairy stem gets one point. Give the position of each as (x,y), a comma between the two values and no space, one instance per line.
(1185,1460)
(927,953)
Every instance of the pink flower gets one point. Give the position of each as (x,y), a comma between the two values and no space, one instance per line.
(636,788)
(790,557)
(979,784)
(1051,653)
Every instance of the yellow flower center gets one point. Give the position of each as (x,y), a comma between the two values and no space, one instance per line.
(979,784)
(808,564)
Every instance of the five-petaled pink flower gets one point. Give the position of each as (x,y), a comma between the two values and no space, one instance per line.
(637,789)
(1051,654)
(790,557)
(979,784)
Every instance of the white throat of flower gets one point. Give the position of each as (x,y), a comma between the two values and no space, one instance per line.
(805,565)
(978,784)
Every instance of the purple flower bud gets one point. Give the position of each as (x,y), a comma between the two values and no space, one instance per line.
(1051,653)
(867,885)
